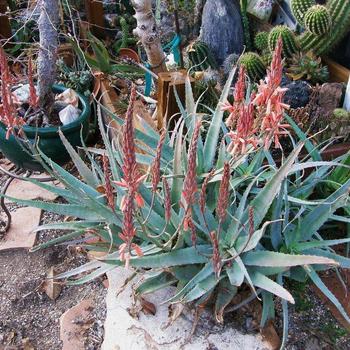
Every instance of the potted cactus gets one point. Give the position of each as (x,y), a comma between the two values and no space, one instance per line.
(17,138)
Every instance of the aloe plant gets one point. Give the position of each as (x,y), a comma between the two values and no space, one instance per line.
(203,218)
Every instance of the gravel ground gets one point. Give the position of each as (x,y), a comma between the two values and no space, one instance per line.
(29,319)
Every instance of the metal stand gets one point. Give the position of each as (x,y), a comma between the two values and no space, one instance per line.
(12,174)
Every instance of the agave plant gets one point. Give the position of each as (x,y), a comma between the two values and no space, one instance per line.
(206,216)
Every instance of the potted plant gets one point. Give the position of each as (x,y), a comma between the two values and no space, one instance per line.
(18,139)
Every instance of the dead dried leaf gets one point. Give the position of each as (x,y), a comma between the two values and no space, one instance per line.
(147,307)
(101,189)
(27,345)
(270,336)
(51,287)
(175,310)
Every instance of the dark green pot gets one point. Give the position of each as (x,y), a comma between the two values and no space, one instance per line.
(49,140)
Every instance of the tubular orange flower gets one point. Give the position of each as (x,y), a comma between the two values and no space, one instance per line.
(269,100)
(244,133)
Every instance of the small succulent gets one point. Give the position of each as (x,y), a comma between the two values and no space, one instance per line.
(317,20)
(254,65)
(309,67)
(290,45)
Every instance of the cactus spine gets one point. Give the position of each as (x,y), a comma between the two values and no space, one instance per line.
(290,45)
(299,8)
(254,65)
(339,11)
(317,20)
(200,56)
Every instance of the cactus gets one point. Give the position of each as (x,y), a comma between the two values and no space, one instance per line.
(339,11)
(300,7)
(245,23)
(200,56)
(317,20)
(290,45)
(261,41)
(254,65)
(125,41)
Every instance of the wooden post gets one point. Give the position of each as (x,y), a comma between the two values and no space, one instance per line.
(5,28)
(167,105)
(95,17)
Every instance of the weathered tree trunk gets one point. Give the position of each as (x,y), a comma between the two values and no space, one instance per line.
(48,29)
(148,34)
(222,28)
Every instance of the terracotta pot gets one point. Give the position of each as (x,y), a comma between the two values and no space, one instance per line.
(129,53)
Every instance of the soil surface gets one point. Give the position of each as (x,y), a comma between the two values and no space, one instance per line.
(29,319)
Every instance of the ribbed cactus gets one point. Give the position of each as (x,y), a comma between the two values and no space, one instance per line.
(290,45)
(339,11)
(300,7)
(200,56)
(254,65)
(261,41)
(317,20)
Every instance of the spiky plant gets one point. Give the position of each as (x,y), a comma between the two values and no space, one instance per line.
(290,45)
(200,56)
(339,11)
(261,41)
(223,217)
(299,8)
(254,65)
(309,67)
(317,20)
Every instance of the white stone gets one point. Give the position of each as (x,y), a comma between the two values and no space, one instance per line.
(124,332)
(69,114)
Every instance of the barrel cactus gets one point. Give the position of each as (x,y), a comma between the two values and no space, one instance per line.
(300,7)
(200,56)
(261,41)
(339,11)
(254,65)
(318,20)
(290,45)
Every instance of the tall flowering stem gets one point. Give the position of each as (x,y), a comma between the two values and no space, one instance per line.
(239,97)
(245,133)
(167,200)
(33,97)
(155,169)
(8,111)
(108,184)
(216,259)
(224,193)
(269,101)
(190,183)
(131,180)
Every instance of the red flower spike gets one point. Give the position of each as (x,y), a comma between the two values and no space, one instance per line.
(190,183)
(216,259)
(108,185)
(155,169)
(224,193)
(167,200)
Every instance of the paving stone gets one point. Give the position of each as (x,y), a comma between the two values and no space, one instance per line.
(125,330)
(21,235)
(27,190)
(73,323)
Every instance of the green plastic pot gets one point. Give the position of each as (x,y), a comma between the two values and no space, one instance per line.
(49,140)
